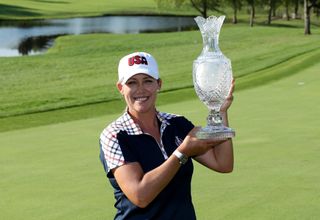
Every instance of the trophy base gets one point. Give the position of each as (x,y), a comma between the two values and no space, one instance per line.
(215,133)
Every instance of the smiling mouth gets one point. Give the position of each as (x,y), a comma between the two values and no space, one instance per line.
(141,99)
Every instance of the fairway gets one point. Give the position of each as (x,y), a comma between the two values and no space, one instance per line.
(54,106)
(70,75)
(37,9)
(53,172)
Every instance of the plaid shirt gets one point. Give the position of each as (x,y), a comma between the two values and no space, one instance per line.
(110,144)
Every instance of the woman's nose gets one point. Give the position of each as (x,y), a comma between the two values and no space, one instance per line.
(140,87)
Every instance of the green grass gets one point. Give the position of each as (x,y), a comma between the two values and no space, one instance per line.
(54,106)
(276,154)
(70,75)
(36,9)
(52,172)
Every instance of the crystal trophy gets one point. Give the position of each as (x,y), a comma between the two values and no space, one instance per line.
(212,78)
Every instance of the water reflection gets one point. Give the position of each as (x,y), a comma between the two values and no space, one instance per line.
(35,45)
(28,38)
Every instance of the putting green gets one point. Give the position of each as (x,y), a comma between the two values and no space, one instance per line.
(53,171)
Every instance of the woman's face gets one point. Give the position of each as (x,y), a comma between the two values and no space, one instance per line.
(140,93)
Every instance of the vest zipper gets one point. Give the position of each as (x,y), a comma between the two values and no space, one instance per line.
(160,145)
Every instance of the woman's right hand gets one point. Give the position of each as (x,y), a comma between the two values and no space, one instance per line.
(192,146)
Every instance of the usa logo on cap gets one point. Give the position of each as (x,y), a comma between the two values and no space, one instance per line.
(137,60)
(136,63)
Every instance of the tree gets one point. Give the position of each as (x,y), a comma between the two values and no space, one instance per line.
(251,4)
(286,5)
(204,5)
(308,4)
(272,8)
(295,4)
(317,12)
(235,5)
(296,8)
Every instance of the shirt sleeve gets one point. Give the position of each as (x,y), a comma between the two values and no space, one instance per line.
(111,154)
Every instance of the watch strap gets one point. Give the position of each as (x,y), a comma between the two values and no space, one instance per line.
(182,158)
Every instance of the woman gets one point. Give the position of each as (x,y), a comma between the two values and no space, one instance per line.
(145,152)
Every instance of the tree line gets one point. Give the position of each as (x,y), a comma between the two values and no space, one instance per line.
(291,8)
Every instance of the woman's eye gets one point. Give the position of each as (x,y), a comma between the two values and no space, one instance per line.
(149,81)
(131,83)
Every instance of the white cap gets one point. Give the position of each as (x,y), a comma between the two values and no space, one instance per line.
(135,63)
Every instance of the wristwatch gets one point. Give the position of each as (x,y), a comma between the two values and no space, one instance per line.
(182,158)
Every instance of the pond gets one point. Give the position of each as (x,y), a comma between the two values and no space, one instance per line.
(35,37)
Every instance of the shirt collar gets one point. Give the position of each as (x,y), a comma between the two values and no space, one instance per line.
(133,128)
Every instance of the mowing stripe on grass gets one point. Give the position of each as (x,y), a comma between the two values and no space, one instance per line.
(273,73)
(280,70)
(53,171)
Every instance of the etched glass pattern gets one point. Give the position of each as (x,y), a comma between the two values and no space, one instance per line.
(212,77)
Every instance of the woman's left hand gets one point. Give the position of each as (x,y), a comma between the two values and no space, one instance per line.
(227,103)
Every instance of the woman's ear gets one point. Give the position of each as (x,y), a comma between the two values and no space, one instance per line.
(119,86)
(159,84)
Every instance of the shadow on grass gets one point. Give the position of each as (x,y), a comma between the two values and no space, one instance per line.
(16,10)
(274,23)
(284,23)
(279,25)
